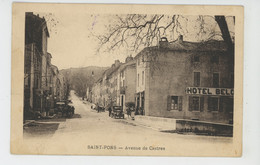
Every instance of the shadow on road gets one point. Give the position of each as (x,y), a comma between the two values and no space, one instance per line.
(125,122)
(75,116)
(57,119)
(40,129)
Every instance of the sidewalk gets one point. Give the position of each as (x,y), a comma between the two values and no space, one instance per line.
(155,123)
(182,126)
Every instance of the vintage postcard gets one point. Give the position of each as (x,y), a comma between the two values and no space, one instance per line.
(135,80)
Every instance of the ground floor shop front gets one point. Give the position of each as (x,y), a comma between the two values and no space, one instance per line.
(208,107)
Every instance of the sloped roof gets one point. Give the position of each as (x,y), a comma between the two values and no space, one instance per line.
(111,70)
(123,66)
(211,45)
(41,20)
(54,68)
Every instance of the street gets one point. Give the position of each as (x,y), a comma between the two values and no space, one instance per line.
(99,130)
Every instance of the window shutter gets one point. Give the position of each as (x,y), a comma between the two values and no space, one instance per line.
(168,103)
(221,104)
(209,104)
(201,104)
(190,103)
(180,103)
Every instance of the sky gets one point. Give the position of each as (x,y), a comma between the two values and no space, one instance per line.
(72,43)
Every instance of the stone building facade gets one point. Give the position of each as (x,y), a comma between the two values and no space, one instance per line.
(117,85)
(186,80)
(127,83)
(40,76)
(179,79)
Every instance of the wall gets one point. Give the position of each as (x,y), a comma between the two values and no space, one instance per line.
(173,72)
(140,68)
(130,81)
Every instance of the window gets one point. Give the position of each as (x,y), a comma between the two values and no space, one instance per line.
(196,79)
(217,103)
(174,103)
(229,105)
(142,77)
(215,59)
(216,80)
(196,103)
(196,58)
(213,104)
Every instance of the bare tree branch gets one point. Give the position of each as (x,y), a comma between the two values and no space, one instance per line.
(137,30)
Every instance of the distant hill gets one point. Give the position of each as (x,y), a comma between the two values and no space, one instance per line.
(81,78)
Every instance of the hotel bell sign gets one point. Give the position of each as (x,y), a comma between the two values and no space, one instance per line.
(210,91)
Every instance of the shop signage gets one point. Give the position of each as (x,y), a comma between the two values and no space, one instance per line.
(210,91)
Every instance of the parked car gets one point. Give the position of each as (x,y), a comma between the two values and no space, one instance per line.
(101,109)
(65,108)
(117,112)
(93,106)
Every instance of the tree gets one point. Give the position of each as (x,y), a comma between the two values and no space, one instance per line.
(135,30)
(222,23)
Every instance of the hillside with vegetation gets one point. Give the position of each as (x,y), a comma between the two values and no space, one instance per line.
(81,78)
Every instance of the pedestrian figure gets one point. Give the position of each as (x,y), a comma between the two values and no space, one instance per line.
(110,110)
(48,108)
(98,108)
(132,113)
(128,112)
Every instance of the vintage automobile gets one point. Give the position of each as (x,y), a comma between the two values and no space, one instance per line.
(117,112)
(101,109)
(93,106)
(65,108)
(97,107)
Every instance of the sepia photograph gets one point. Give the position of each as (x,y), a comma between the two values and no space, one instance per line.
(133,80)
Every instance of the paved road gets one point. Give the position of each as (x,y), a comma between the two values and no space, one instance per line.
(92,128)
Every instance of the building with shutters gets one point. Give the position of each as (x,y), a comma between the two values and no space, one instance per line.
(126,77)
(36,57)
(117,85)
(186,80)
(43,84)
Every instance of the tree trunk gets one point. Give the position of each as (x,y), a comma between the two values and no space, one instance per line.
(225,32)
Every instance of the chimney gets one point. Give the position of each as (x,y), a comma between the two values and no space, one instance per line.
(180,38)
(163,43)
(129,58)
(117,62)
